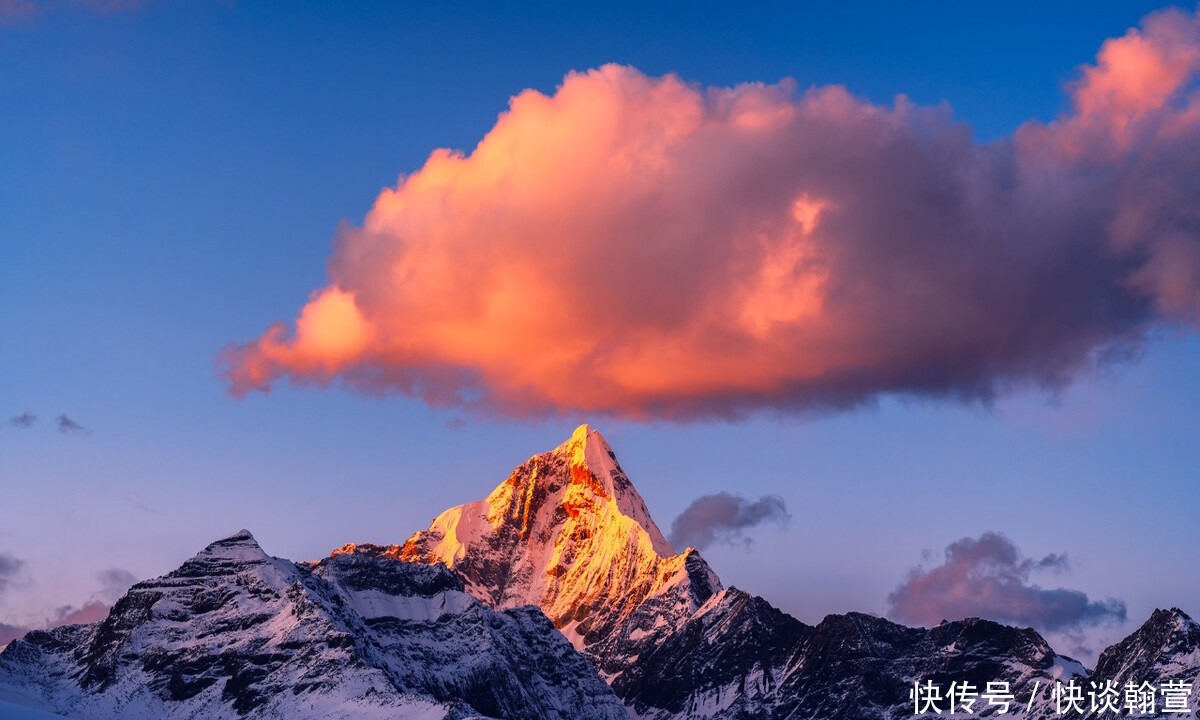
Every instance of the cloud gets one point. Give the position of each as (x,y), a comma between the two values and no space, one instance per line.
(91,612)
(987,577)
(646,248)
(69,427)
(725,518)
(9,567)
(8,633)
(113,584)
(24,420)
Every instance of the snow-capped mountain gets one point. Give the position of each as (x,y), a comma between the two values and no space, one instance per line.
(568,531)
(235,633)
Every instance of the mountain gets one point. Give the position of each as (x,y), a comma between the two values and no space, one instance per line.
(235,633)
(555,597)
(568,531)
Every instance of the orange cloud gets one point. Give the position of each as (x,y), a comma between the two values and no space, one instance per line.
(647,248)
(1142,71)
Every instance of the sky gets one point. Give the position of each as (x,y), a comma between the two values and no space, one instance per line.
(739,214)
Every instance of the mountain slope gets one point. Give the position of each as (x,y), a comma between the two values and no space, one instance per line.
(234,633)
(8,711)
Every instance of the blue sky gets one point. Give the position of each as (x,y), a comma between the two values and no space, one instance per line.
(171,179)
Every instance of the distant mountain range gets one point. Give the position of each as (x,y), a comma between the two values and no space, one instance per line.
(555,597)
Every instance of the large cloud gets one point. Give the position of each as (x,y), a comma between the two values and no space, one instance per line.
(987,577)
(647,248)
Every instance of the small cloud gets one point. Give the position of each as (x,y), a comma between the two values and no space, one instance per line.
(988,577)
(8,633)
(9,567)
(113,584)
(92,611)
(69,427)
(23,421)
(725,518)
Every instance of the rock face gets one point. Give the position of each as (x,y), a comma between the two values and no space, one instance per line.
(234,633)
(555,597)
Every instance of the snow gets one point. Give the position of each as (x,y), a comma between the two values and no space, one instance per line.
(571,632)
(240,547)
(371,604)
(1065,668)
(460,528)
(301,641)
(8,711)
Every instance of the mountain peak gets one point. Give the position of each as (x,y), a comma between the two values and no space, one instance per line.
(590,456)
(240,546)
(1164,645)
(566,531)
(239,554)
(593,467)
(583,436)
(1163,623)
(1174,617)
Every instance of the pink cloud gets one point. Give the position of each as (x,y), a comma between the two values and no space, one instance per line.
(651,249)
(988,577)
(113,584)
(92,611)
